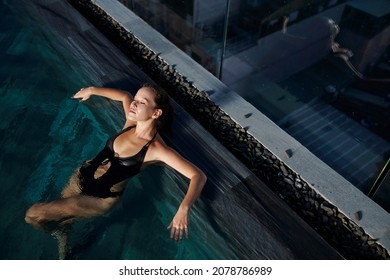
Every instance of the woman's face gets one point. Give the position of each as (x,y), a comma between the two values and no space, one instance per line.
(143,106)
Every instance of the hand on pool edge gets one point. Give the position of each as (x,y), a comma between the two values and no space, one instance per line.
(83,94)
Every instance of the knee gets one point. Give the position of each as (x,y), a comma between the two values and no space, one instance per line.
(34,214)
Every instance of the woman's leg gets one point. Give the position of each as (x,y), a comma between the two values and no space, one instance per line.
(72,188)
(57,215)
(71,206)
(65,210)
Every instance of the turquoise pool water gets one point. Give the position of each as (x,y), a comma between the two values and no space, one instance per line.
(45,135)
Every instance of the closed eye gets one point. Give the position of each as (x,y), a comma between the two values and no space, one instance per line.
(140,101)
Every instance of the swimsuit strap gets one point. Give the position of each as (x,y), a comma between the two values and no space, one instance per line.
(129,128)
(111,141)
(151,140)
(124,130)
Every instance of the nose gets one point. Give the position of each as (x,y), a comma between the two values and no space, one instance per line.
(133,105)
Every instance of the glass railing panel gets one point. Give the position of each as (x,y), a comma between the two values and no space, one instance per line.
(319,69)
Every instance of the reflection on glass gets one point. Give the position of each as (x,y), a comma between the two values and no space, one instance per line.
(318,69)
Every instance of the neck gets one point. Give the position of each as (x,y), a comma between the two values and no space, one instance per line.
(145,130)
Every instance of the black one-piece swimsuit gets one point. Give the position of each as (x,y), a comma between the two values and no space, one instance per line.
(121,168)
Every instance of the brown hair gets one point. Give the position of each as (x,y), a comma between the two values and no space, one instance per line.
(162,102)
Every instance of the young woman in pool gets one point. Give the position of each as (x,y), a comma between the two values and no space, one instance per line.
(98,184)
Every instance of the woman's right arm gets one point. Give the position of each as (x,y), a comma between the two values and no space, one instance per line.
(115,94)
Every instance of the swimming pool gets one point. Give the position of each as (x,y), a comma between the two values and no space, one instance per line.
(45,135)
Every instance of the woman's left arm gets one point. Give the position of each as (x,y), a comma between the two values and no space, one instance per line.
(179,225)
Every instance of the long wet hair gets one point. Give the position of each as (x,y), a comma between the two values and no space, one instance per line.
(162,102)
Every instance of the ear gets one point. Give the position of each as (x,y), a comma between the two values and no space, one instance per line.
(157,113)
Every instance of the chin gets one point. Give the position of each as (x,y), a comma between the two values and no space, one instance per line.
(131,118)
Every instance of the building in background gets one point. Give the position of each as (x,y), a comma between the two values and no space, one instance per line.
(320,69)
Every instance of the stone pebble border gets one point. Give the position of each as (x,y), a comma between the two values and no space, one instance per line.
(343,234)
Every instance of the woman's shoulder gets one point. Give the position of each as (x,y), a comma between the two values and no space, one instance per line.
(158,149)
(158,143)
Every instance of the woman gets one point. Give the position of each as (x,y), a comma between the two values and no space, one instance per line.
(98,184)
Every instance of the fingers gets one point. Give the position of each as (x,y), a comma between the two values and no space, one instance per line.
(186,231)
(179,226)
(178,232)
(80,95)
